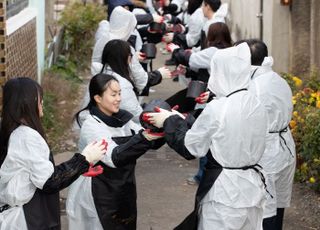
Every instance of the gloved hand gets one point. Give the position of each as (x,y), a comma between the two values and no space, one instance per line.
(141,56)
(175,112)
(167,17)
(203,98)
(178,28)
(157,18)
(94,151)
(168,37)
(93,171)
(157,119)
(171,47)
(152,136)
(165,72)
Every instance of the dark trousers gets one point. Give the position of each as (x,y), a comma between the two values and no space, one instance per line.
(274,222)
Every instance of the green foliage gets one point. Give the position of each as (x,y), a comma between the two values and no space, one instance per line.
(81,22)
(67,69)
(305,126)
(48,111)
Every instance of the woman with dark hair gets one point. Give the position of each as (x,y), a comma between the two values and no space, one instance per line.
(29,180)
(116,61)
(108,201)
(198,64)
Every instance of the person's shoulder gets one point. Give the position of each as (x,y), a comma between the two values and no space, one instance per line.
(26,132)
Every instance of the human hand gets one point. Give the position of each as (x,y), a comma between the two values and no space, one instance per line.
(165,2)
(167,17)
(150,136)
(179,28)
(141,56)
(94,151)
(168,37)
(93,171)
(203,98)
(165,72)
(157,18)
(157,119)
(171,47)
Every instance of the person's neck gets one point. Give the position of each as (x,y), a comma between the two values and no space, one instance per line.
(210,15)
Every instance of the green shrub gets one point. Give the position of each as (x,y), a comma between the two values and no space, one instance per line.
(80,22)
(305,127)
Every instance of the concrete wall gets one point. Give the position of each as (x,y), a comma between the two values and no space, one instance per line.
(242,19)
(39,6)
(244,24)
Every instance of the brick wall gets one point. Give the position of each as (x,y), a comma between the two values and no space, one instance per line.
(2,47)
(21,49)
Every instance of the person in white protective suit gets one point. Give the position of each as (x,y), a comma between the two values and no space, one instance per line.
(231,132)
(29,180)
(108,201)
(279,158)
(122,24)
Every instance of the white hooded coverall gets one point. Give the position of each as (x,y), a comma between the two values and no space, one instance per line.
(234,129)
(279,158)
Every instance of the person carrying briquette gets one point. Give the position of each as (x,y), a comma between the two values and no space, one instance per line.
(29,180)
(231,132)
(279,158)
(108,201)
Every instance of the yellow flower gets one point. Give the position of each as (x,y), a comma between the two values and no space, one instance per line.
(294,101)
(297,81)
(312,180)
(318,104)
(311,100)
(314,95)
(293,124)
(295,113)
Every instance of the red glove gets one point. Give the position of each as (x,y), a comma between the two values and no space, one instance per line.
(203,98)
(94,171)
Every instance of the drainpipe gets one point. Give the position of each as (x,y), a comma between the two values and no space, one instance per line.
(260,16)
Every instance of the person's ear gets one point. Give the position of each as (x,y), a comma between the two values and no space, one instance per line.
(97,98)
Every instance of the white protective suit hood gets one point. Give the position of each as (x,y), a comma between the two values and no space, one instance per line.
(230,70)
(122,23)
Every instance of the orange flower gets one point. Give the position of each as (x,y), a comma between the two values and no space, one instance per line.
(293,124)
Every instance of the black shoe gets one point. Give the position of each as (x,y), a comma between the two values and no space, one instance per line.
(170,62)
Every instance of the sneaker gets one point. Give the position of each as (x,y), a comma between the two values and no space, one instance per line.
(192,181)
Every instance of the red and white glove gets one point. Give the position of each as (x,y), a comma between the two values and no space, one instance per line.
(171,47)
(150,136)
(94,152)
(93,171)
(165,72)
(141,56)
(203,98)
(168,37)
(157,18)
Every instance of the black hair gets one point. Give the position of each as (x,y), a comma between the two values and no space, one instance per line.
(219,36)
(258,49)
(193,5)
(20,106)
(97,86)
(214,4)
(115,55)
